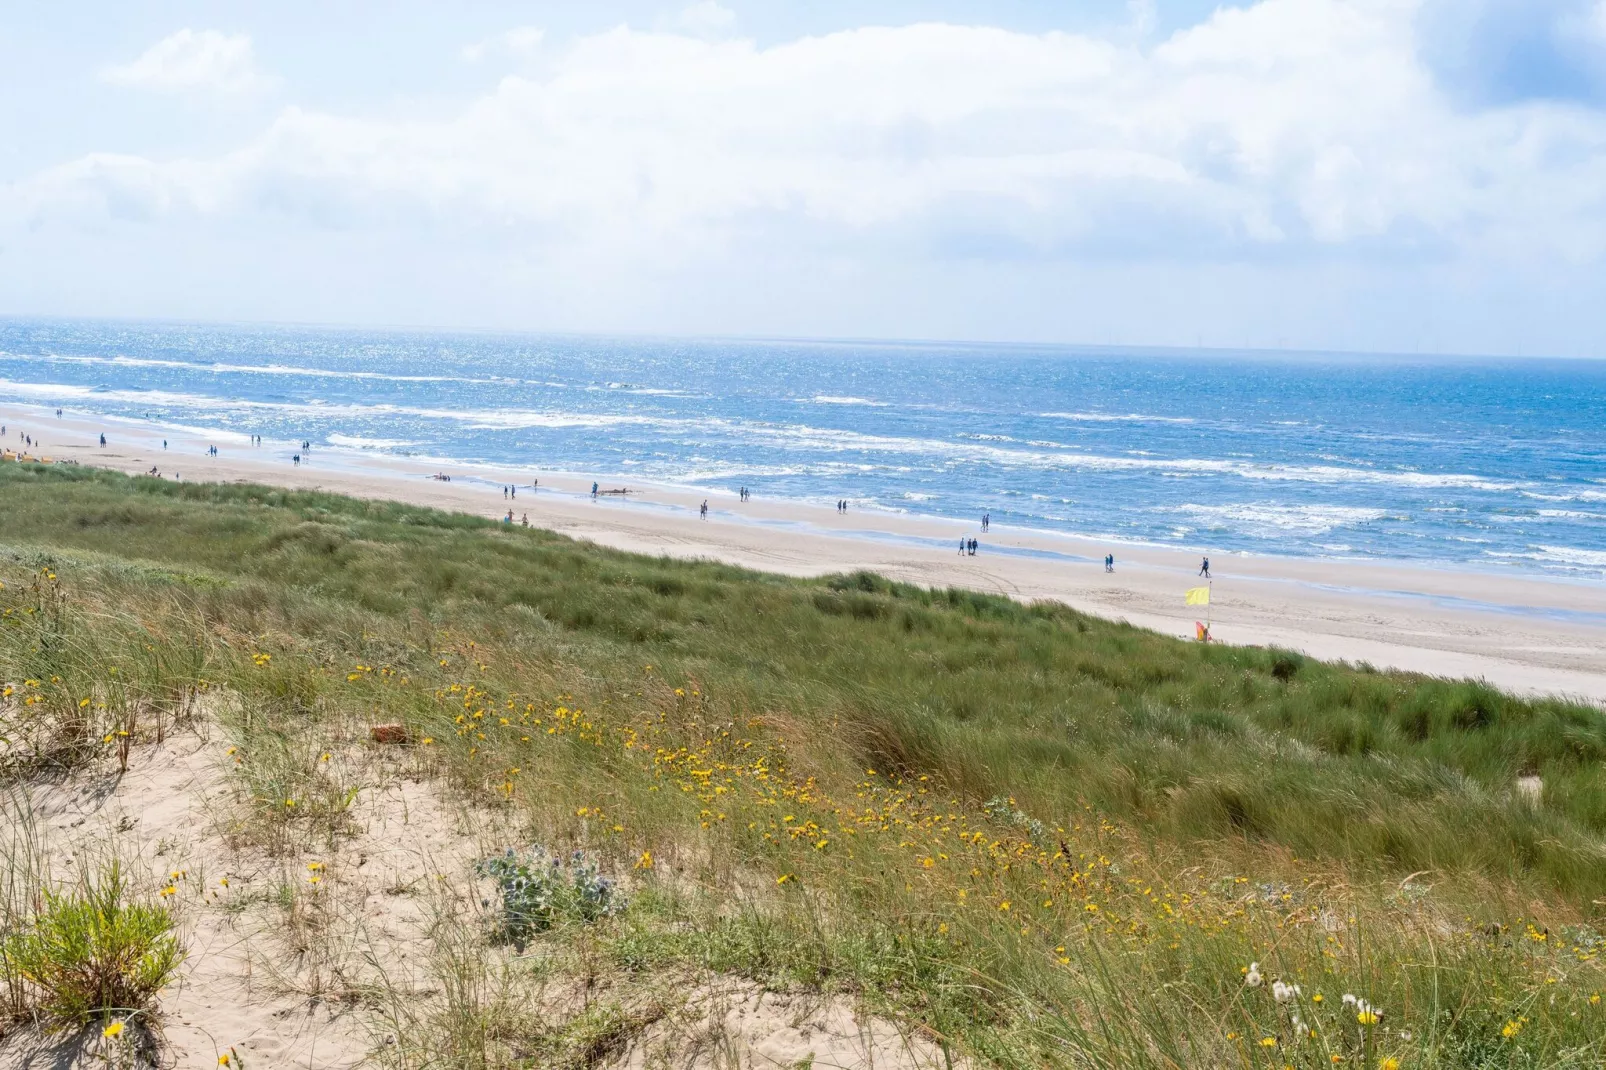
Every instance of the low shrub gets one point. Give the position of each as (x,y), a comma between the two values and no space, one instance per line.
(93,953)
(539,891)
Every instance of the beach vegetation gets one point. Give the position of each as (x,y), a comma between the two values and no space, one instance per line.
(92,953)
(1036,837)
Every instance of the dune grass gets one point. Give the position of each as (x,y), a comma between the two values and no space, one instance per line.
(1040,837)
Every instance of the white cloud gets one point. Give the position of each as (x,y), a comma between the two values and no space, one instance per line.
(1289,131)
(193,60)
(520,42)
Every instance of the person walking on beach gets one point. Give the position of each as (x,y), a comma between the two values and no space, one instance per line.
(102,441)
(964,544)
(1204,568)
(1109,562)
(593,489)
(703,512)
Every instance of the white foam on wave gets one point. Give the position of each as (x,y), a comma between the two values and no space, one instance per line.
(1115,417)
(362,442)
(266,369)
(839,399)
(1573,555)
(1574,496)
(1568,557)
(1270,519)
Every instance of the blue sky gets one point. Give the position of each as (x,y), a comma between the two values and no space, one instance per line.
(1396,175)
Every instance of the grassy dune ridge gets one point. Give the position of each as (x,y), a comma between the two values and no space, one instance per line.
(1042,837)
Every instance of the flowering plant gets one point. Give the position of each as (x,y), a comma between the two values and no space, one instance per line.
(539,890)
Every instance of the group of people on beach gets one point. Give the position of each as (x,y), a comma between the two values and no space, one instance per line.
(509,518)
(747,495)
(842,505)
(968,546)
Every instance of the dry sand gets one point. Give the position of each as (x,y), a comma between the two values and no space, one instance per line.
(1528,634)
(351,975)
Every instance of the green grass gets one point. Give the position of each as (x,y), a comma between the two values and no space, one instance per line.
(1076,837)
(92,954)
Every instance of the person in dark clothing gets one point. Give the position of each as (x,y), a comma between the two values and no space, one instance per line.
(1204,568)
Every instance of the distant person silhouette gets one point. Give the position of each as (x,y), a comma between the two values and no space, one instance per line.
(1204,568)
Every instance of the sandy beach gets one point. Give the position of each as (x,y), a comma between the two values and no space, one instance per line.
(1528,634)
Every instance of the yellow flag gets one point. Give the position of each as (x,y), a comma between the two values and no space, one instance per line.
(1198,596)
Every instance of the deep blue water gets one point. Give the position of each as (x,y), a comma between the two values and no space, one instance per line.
(1489,463)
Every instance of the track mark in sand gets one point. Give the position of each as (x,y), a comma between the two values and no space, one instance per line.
(1000,584)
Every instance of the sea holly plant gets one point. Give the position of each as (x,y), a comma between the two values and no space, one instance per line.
(541,890)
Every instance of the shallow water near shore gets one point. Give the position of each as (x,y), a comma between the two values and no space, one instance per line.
(1477,463)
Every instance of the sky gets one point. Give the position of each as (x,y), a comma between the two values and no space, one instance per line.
(1375,175)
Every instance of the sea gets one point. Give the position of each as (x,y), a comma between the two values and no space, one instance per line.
(1480,463)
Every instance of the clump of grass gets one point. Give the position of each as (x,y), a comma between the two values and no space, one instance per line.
(539,891)
(22,878)
(93,953)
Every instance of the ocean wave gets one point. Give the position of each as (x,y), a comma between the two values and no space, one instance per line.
(1574,496)
(492,419)
(804,437)
(1569,514)
(836,399)
(361,442)
(265,369)
(1573,555)
(792,437)
(1568,557)
(1115,417)
(1270,518)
